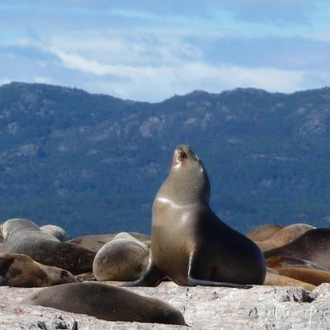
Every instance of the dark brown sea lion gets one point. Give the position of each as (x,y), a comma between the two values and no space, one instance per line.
(313,246)
(189,243)
(19,270)
(25,237)
(95,242)
(124,258)
(106,302)
(284,236)
(263,232)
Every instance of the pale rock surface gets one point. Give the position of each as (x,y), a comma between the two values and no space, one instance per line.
(262,307)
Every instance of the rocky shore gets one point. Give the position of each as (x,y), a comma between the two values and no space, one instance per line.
(261,307)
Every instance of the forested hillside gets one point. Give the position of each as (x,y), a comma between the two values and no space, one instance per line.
(93,163)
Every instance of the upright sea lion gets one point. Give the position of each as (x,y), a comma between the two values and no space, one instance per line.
(189,243)
(19,270)
(25,237)
(124,258)
(106,302)
(313,246)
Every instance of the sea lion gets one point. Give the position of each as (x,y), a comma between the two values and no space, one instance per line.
(189,243)
(280,280)
(287,261)
(124,258)
(55,231)
(95,242)
(313,246)
(106,302)
(308,275)
(25,237)
(263,232)
(19,270)
(284,236)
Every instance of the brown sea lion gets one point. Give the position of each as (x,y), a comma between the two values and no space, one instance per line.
(263,232)
(287,261)
(280,280)
(106,302)
(308,275)
(25,237)
(124,258)
(189,243)
(313,246)
(95,242)
(19,270)
(284,236)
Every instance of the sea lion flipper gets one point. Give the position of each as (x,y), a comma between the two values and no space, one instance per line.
(152,277)
(195,282)
(196,274)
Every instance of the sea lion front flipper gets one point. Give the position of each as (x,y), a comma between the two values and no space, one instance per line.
(196,274)
(152,277)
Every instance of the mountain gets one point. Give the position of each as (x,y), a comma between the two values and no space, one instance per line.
(93,163)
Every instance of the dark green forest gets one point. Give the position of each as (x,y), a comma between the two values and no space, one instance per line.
(93,163)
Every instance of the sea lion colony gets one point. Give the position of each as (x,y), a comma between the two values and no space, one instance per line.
(189,245)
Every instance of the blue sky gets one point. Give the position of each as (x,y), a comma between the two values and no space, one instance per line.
(149,50)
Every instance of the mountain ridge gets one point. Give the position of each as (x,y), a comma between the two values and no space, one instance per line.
(93,162)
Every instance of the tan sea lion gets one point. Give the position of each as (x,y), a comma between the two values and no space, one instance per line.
(55,231)
(124,258)
(189,243)
(19,270)
(263,232)
(95,242)
(280,280)
(313,246)
(25,237)
(284,236)
(106,302)
(308,275)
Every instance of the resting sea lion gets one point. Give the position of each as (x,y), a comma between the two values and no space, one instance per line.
(284,236)
(25,237)
(19,270)
(95,242)
(280,280)
(55,231)
(263,232)
(106,302)
(313,246)
(124,258)
(189,243)
(287,261)
(308,275)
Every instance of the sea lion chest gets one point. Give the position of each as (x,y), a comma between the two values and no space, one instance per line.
(173,239)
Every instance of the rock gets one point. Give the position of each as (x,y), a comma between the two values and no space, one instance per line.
(261,307)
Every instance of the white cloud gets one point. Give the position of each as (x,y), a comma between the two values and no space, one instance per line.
(156,84)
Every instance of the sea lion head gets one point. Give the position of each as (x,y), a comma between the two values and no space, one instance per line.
(188,181)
